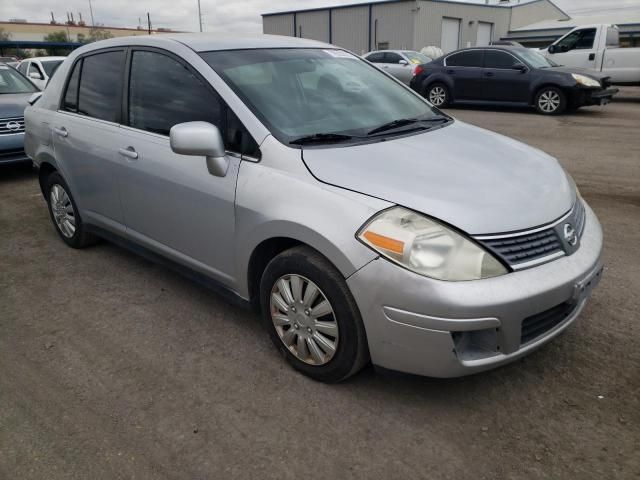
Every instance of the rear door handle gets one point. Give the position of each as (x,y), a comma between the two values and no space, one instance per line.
(488,74)
(61,131)
(592,56)
(128,152)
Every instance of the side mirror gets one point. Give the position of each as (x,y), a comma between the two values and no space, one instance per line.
(403,62)
(35,76)
(521,67)
(552,49)
(200,139)
(34,98)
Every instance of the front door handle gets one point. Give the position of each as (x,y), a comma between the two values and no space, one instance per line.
(61,131)
(592,56)
(128,152)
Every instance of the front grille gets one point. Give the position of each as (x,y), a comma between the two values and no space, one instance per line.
(11,125)
(526,249)
(537,325)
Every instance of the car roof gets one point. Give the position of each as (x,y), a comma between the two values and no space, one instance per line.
(506,48)
(204,42)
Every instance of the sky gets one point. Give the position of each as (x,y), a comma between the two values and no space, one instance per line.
(221,16)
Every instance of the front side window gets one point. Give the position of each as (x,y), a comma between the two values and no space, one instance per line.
(34,68)
(307,91)
(391,57)
(22,68)
(163,93)
(580,39)
(469,58)
(101,85)
(12,82)
(377,57)
(497,59)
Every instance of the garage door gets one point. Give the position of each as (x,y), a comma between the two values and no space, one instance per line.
(484,34)
(450,34)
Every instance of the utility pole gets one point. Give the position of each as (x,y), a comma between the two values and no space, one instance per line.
(91,12)
(149,22)
(199,16)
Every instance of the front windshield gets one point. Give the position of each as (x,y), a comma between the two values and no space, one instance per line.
(417,58)
(536,60)
(50,66)
(13,82)
(304,91)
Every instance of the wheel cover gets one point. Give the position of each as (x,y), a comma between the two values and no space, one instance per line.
(437,96)
(549,101)
(63,212)
(304,319)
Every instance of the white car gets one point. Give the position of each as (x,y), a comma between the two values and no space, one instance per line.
(40,69)
(399,63)
(596,47)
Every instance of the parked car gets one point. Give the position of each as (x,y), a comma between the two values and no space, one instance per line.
(363,223)
(596,47)
(40,69)
(399,63)
(15,90)
(510,76)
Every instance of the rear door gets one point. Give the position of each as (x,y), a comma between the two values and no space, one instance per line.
(577,49)
(502,81)
(465,70)
(85,131)
(171,202)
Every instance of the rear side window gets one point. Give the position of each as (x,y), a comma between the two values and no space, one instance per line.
(163,93)
(497,59)
(101,86)
(376,57)
(70,100)
(469,58)
(391,57)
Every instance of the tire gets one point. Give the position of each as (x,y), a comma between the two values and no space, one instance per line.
(438,95)
(550,101)
(296,332)
(64,213)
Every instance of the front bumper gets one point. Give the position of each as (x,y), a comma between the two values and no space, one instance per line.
(429,327)
(12,149)
(594,97)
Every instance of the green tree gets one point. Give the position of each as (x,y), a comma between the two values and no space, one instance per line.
(97,33)
(4,36)
(57,37)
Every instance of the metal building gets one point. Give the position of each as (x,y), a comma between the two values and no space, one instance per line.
(410,24)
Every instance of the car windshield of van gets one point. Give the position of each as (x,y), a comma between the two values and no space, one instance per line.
(536,60)
(325,94)
(13,82)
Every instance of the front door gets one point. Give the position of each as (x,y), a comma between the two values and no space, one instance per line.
(171,202)
(84,131)
(502,81)
(398,66)
(576,49)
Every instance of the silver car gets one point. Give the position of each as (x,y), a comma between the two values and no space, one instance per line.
(399,63)
(291,175)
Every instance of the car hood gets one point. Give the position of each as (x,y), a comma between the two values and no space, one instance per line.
(582,71)
(476,180)
(13,104)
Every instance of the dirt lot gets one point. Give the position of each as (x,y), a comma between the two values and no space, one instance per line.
(113,367)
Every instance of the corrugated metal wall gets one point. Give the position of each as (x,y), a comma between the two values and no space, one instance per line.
(350,31)
(393,24)
(278,24)
(530,13)
(428,22)
(314,25)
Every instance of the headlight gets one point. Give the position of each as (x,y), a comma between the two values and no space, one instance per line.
(585,81)
(427,247)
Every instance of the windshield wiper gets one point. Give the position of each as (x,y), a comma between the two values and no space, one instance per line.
(321,138)
(401,122)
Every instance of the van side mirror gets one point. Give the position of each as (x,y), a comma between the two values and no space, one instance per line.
(200,139)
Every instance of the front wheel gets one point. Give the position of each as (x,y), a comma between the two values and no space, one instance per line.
(311,316)
(551,101)
(438,95)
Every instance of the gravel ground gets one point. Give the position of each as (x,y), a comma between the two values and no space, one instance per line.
(113,367)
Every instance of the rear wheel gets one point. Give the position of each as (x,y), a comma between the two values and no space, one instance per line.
(550,101)
(438,95)
(311,316)
(64,213)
